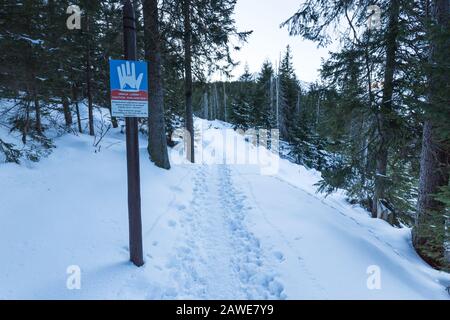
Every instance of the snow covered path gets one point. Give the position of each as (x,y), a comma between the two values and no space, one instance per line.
(220,258)
(211,231)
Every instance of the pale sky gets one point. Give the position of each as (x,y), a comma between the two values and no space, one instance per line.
(268,40)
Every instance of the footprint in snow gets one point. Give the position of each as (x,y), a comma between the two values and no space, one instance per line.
(172,223)
(176,189)
(180,207)
(279,256)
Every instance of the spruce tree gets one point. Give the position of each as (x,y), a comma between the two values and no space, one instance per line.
(263,115)
(289,96)
(243,102)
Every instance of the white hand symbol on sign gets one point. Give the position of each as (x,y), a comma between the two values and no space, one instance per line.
(127,76)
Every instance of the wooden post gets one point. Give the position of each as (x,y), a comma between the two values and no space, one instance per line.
(134,187)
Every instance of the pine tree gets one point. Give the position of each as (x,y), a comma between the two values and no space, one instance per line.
(381,67)
(23,63)
(289,96)
(348,128)
(243,102)
(263,115)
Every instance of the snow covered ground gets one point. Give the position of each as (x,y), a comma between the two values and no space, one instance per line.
(211,231)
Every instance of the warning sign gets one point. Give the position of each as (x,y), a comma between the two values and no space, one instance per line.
(129,88)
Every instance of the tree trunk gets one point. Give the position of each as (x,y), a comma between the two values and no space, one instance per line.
(67,112)
(26,124)
(297,105)
(77,108)
(205,105)
(88,80)
(218,107)
(37,109)
(225,112)
(114,122)
(429,230)
(157,141)
(277,102)
(189,118)
(271,95)
(211,105)
(317,110)
(386,107)
(108,25)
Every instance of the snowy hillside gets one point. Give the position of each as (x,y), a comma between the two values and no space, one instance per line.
(211,231)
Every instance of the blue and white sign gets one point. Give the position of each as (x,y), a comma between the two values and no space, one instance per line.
(129,88)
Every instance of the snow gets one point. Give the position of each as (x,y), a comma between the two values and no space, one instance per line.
(33,41)
(211,231)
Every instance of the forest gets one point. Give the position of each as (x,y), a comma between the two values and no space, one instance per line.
(376,123)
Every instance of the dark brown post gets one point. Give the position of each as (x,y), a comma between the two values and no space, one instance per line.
(134,187)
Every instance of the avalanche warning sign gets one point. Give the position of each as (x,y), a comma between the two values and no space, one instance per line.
(129,88)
